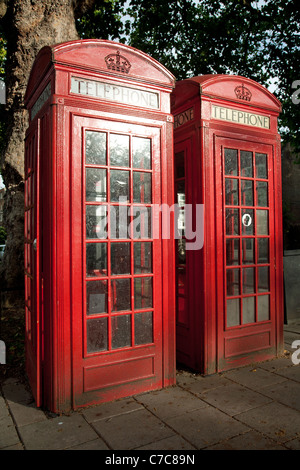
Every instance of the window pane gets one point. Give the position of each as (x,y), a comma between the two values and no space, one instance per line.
(142,187)
(95,184)
(96,335)
(119,222)
(232,251)
(248,281)
(142,292)
(233,282)
(96,222)
(143,328)
(95,148)
(141,224)
(96,297)
(119,186)
(120,258)
(120,295)
(262,223)
(96,259)
(263,279)
(233,312)
(179,165)
(248,251)
(119,150)
(247,193)
(246,164)
(263,250)
(261,165)
(142,257)
(141,153)
(231,192)
(248,310)
(232,222)
(262,193)
(231,162)
(263,308)
(120,331)
(247,222)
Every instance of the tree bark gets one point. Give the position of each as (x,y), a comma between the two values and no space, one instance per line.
(30,25)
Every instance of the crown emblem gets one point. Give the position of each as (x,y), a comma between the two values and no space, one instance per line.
(243,93)
(117,63)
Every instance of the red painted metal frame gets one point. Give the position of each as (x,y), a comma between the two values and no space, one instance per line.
(61,115)
(201,347)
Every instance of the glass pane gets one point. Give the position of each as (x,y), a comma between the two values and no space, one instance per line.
(96,222)
(231,192)
(247,222)
(180,192)
(143,328)
(141,153)
(181,251)
(262,193)
(120,295)
(233,312)
(142,292)
(233,282)
(95,148)
(141,224)
(119,222)
(231,162)
(232,251)
(248,281)
(142,257)
(263,250)
(96,297)
(95,184)
(262,223)
(119,186)
(248,310)
(142,187)
(263,279)
(261,165)
(246,164)
(96,259)
(232,222)
(119,150)
(247,193)
(96,335)
(120,331)
(120,258)
(263,308)
(248,251)
(179,165)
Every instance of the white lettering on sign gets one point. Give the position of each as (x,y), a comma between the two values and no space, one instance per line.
(113,92)
(41,100)
(240,117)
(183,117)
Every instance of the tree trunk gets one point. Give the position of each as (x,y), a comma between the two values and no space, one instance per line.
(30,25)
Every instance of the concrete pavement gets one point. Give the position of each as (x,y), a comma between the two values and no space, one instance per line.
(249,408)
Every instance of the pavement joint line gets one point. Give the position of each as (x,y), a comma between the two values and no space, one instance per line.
(12,418)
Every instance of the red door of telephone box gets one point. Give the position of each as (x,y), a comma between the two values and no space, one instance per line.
(227,160)
(102,323)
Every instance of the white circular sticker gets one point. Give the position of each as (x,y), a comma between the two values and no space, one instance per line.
(247,220)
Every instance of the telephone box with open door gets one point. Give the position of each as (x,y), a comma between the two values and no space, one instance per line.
(227,160)
(100,295)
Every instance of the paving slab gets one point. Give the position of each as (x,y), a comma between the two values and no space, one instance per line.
(14,391)
(205,427)
(132,430)
(274,420)
(8,433)
(292,373)
(57,433)
(287,392)
(169,443)
(26,414)
(96,444)
(253,377)
(170,402)
(197,384)
(108,410)
(251,440)
(234,398)
(276,364)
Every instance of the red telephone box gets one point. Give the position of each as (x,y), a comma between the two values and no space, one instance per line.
(100,295)
(227,159)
